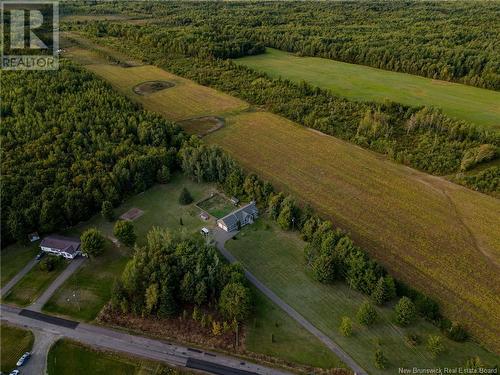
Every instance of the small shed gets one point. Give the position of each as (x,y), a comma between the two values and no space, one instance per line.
(204,216)
(235,201)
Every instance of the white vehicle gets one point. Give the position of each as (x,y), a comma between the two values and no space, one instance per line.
(15,372)
(23,359)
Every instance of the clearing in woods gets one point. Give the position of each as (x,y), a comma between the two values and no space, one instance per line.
(435,235)
(359,82)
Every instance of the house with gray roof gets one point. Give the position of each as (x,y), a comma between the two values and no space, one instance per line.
(59,245)
(241,217)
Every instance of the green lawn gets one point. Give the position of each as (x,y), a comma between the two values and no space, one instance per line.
(15,341)
(72,358)
(14,258)
(358,82)
(33,284)
(272,332)
(276,258)
(84,294)
(217,206)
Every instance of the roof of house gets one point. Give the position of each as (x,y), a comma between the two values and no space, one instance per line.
(239,215)
(67,244)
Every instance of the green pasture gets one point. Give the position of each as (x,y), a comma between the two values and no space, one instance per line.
(363,83)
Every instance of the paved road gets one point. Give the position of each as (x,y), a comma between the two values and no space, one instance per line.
(38,360)
(156,350)
(69,270)
(221,237)
(18,277)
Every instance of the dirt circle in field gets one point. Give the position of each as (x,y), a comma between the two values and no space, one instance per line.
(150,87)
(202,126)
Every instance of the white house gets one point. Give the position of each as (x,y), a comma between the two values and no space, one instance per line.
(59,245)
(241,217)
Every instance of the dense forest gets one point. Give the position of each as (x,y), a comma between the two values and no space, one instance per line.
(170,273)
(69,142)
(422,138)
(454,41)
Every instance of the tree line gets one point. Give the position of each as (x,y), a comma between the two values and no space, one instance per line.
(69,143)
(423,138)
(170,272)
(453,41)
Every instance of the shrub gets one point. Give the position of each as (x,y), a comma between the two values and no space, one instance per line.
(185,197)
(427,307)
(49,263)
(477,155)
(405,311)
(216,328)
(366,314)
(345,326)
(92,242)
(473,363)
(435,345)
(457,333)
(380,360)
(384,291)
(412,339)
(124,231)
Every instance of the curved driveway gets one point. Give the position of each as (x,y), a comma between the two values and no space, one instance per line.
(221,237)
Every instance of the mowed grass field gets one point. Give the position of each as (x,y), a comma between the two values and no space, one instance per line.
(363,83)
(72,358)
(272,332)
(14,342)
(14,258)
(33,284)
(437,236)
(277,259)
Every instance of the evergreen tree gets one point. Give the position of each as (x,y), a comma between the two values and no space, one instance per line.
(286,216)
(384,290)
(168,305)
(380,360)
(163,176)
(107,211)
(185,197)
(405,311)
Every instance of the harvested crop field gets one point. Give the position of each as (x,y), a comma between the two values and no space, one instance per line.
(433,234)
(185,100)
